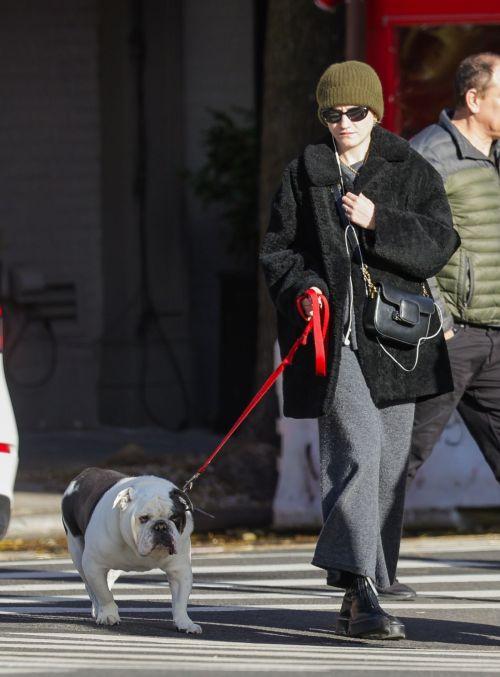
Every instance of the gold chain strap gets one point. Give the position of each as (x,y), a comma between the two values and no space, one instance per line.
(372,289)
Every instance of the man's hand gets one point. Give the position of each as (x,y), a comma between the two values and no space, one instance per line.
(360,210)
(448,334)
(307,303)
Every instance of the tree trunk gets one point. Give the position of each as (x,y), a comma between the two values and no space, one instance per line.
(301,41)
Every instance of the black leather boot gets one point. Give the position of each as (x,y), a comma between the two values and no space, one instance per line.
(342,623)
(339,579)
(367,618)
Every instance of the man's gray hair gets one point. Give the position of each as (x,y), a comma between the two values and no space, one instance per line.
(474,72)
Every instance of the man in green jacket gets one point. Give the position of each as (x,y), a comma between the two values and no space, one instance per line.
(463,147)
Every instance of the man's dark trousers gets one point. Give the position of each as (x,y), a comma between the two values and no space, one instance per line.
(475,363)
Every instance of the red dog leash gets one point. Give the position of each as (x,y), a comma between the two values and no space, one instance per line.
(318,324)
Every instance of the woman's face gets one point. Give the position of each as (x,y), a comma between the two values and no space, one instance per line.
(349,134)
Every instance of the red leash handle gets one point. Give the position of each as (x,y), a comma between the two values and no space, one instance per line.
(318,324)
(320,319)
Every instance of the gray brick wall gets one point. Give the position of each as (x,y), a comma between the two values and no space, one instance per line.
(50,196)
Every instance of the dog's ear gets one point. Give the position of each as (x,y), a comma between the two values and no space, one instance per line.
(181,497)
(125,497)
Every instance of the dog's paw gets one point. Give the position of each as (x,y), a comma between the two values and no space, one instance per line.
(188,626)
(108,615)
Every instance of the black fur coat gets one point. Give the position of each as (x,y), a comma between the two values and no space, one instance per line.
(304,246)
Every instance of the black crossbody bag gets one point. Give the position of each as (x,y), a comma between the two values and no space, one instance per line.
(391,315)
(396,316)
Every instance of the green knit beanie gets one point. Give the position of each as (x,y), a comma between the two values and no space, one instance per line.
(350,83)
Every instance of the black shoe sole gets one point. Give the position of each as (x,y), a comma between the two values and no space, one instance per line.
(395,597)
(376,628)
(397,591)
(394,631)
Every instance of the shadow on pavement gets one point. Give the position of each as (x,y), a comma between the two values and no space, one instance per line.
(275,626)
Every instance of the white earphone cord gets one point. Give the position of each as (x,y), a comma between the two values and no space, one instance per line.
(420,341)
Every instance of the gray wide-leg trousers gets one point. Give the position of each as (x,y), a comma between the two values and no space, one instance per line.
(364,454)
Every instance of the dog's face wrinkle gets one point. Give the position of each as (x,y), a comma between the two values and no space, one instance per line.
(165,539)
(148,538)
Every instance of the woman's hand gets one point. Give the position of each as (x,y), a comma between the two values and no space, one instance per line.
(307,303)
(360,210)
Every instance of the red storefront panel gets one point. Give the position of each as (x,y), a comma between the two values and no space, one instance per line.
(415,47)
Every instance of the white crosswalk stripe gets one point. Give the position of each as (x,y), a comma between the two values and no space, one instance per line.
(242,590)
(92,650)
(147,652)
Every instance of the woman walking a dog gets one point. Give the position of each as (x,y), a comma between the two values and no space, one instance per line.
(362,219)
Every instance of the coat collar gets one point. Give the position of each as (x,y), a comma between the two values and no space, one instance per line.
(321,166)
(464,147)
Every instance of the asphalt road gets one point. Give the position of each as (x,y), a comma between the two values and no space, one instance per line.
(264,610)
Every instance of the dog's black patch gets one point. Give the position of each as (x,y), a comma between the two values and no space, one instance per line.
(182,504)
(78,506)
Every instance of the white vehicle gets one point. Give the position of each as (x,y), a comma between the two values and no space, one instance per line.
(9,443)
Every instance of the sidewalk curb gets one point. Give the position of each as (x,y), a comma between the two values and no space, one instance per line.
(35,526)
(50,524)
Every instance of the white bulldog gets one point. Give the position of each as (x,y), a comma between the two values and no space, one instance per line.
(115,523)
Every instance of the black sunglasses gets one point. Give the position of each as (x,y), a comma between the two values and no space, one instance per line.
(355,114)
